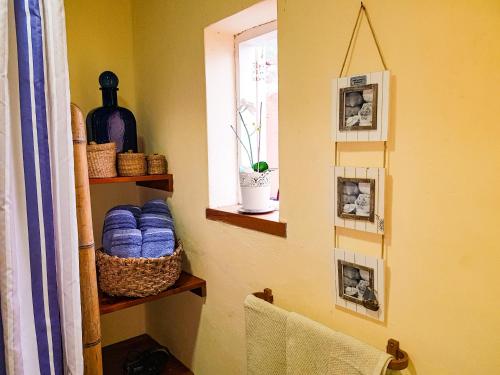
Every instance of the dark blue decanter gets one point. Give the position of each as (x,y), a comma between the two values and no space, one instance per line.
(111,123)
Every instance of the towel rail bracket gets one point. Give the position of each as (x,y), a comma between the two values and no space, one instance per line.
(400,360)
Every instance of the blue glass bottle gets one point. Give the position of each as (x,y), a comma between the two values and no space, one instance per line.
(111,123)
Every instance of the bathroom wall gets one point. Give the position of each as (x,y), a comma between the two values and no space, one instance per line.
(442,204)
(99,37)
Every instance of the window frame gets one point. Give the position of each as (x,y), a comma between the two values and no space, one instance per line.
(241,37)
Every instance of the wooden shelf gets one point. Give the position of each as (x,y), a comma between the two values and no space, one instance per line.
(266,223)
(158,181)
(186,282)
(114,356)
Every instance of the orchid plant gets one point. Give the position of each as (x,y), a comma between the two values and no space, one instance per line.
(257,165)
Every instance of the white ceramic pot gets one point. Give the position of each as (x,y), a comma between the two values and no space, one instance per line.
(255,190)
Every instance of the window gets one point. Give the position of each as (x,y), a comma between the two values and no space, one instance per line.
(241,73)
(256,70)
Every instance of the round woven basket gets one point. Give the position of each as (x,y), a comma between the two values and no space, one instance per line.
(157,164)
(101,160)
(138,277)
(132,164)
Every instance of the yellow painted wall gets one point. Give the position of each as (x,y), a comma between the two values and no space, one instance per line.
(441,208)
(99,37)
(442,246)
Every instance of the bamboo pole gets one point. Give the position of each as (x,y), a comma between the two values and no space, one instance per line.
(91,325)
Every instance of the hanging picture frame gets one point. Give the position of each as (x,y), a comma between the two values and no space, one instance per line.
(360,106)
(359,198)
(359,283)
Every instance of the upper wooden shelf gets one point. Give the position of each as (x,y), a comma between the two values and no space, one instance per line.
(186,282)
(156,181)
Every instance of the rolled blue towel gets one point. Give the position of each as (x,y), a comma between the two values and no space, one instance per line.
(135,210)
(119,217)
(126,243)
(116,220)
(156,206)
(148,221)
(157,243)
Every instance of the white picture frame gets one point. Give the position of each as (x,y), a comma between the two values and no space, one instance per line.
(355,117)
(361,210)
(374,267)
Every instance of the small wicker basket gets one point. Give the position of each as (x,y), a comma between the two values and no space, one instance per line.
(101,160)
(157,164)
(138,277)
(132,164)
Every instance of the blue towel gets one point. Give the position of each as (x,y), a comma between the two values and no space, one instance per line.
(126,243)
(135,210)
(116,220)
(149,221)
(117,217)
(157,243)
(156,206)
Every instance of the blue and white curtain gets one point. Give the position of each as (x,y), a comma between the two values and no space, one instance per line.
(40,330)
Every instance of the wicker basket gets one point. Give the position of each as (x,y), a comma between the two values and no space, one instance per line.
(132,164)
(157,164)
(101,160)
(138,277)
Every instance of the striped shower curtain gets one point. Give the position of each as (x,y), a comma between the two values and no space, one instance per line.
(40,325)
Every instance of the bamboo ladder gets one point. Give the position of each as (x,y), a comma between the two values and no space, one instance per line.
(91,325)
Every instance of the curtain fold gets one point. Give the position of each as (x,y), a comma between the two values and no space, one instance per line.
(39,277)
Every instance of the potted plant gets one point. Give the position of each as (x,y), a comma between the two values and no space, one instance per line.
(255,180)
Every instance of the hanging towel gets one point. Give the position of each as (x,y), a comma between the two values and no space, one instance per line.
(266,337)
(315,349)
(149,221)
(157,242)
(135,210)
(126,243)
(115,220)
(157,206)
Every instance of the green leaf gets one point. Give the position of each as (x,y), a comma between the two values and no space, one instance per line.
(261,166)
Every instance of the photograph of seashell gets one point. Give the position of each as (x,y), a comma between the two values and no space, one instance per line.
(358,106)
(356,198)
(356,282)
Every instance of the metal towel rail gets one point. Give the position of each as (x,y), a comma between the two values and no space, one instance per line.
(400,360)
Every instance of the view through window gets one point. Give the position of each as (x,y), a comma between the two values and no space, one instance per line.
(256,53)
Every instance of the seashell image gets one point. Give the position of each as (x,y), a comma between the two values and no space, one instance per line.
(365,115)
(350,208)
(351,121)
(352,111)
(363,284)
(350,188)
(350,282)
(368,95)
(350,291)
(363,205)
(351,272)
(348,198)
(353,99)
(364,187)
(365,275)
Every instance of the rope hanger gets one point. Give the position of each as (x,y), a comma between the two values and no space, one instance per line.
(362,9)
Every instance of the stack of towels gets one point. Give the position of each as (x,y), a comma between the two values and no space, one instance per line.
(132,232)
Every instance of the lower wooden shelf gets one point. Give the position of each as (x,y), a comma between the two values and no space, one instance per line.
(114,356)
(186,282)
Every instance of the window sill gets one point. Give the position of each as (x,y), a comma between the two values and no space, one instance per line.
(266,223)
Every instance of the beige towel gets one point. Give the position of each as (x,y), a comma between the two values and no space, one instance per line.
(312,348)
(266,340)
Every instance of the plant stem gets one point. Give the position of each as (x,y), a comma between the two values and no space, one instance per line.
(258,145)
(248,136)
(239,139)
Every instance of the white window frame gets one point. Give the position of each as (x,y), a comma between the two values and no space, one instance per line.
(251,33)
